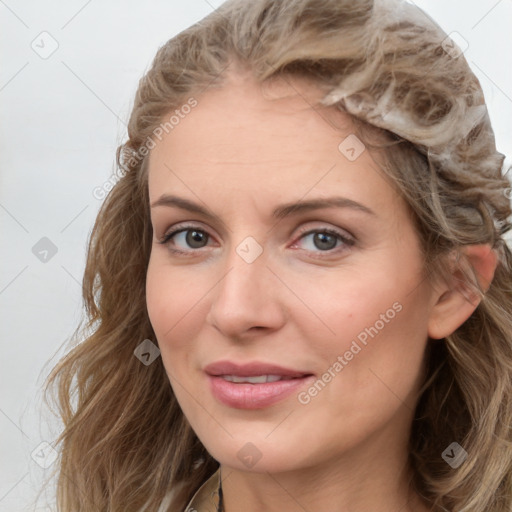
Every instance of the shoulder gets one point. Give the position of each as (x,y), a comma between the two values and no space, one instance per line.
(206,499)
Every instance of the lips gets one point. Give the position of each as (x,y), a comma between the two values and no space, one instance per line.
(250,369)
(254,385)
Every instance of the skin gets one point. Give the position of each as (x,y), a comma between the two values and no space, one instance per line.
(240,154)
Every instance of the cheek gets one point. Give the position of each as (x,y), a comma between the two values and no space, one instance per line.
(375,322)
(371,367)
(349,306)
(172,303)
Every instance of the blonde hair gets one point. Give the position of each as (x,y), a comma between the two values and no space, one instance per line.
(125,442)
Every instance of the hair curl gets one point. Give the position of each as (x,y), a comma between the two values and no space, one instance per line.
(126,443)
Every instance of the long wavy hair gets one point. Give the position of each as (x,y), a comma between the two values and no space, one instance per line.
(126,445)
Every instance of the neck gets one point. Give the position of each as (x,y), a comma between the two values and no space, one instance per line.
(372,480)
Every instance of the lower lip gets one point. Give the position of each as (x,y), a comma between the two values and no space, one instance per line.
(254,396)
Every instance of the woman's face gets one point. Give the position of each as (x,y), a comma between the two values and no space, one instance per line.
(292,336)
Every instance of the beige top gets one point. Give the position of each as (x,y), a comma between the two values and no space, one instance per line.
(206,499)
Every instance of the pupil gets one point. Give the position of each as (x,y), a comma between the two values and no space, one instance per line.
(323,238)
(194,237)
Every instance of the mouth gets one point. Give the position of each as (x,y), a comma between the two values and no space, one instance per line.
(254,385)
(257,379)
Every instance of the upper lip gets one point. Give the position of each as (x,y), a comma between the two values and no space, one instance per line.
(251,369)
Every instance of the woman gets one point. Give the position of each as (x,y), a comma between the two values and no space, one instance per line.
(299,294)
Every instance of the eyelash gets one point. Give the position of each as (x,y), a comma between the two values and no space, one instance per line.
(303,233)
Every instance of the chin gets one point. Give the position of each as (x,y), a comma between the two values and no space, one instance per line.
(255,454)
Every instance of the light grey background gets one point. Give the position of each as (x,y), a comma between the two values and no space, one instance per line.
(62,118)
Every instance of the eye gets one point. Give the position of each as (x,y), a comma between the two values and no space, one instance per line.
(326,240)
(191,235)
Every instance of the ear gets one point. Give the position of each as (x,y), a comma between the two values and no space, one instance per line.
(457,299)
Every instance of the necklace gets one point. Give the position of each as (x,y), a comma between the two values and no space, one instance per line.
(220,506)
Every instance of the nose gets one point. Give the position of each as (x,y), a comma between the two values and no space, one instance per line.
(248,298)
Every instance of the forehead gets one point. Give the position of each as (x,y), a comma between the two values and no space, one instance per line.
(261,138)
(245,114)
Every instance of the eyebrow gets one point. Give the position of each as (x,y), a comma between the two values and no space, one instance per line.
(281,211)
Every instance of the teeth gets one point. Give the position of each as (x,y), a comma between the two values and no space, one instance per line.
(256,379)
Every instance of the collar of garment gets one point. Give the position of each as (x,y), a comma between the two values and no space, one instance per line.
(206,499)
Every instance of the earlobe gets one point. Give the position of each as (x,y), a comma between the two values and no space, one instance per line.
(457,300)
